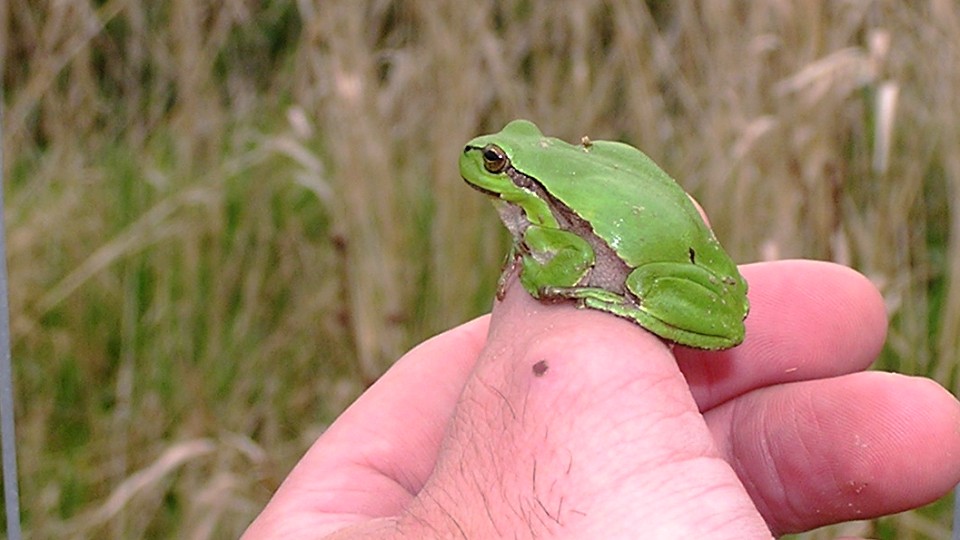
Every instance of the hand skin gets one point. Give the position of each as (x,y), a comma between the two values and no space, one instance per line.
(569,423)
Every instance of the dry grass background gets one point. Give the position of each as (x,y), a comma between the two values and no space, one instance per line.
(225,218)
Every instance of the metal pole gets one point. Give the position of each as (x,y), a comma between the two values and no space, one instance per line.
(11,490)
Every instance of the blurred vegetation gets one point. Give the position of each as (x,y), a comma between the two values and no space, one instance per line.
(226,218)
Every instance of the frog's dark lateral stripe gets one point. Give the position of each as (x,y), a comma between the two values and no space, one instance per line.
(611,271)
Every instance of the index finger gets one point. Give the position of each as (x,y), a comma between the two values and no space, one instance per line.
(808,320)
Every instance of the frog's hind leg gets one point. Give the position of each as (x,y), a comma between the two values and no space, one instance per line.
(623,305)
(632,308)
(689,305)
(595,298)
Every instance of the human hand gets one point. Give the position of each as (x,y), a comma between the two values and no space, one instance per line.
(574,423)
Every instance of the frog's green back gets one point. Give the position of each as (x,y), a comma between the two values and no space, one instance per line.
(632,204)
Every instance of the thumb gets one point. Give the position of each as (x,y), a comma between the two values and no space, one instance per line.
(578,423)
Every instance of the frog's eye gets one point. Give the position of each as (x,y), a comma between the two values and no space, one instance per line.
(494,160)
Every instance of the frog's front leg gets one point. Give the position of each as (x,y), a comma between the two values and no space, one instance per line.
(509,264)
(552,258)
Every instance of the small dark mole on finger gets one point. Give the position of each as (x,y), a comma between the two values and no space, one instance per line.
(540,368)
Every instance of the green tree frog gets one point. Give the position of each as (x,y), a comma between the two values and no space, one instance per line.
(601,224)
